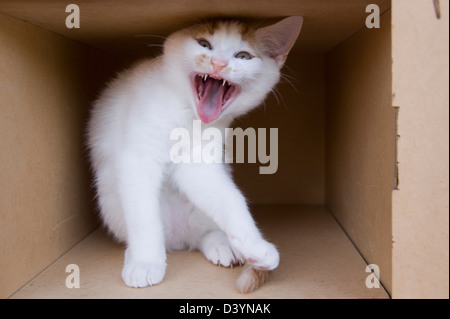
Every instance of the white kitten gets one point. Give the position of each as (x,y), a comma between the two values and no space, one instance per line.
(213,72)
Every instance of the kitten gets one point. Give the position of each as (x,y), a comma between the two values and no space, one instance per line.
(213,72)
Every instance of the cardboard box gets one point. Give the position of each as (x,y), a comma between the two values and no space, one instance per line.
(363,149)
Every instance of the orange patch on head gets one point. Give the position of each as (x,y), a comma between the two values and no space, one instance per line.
(226,70)
(246,31)
(202,60)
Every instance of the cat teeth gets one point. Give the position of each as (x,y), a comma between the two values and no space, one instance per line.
(204,77)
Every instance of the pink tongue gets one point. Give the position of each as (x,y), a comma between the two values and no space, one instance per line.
(210,105)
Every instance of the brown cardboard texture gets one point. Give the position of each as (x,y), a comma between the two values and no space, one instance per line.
(362,118)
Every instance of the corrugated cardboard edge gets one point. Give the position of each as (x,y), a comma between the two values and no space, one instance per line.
(420,42)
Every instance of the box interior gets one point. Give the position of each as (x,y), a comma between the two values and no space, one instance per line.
(334,114)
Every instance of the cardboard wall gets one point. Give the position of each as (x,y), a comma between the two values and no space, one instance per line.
(360,142)
(46,84)
(420,54)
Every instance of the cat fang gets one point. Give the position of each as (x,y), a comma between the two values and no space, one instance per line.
(212,152)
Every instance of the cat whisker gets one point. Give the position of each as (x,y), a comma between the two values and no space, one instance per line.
(276,95)
(289,68)
(288,76)
(150,35)
(282,99)
(265,109)
(285,78)
(279,97)
(165,39)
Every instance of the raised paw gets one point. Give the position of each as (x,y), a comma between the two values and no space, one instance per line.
(140,274)
(216,248)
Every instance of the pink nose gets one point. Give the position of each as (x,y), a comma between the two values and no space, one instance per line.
(218,64)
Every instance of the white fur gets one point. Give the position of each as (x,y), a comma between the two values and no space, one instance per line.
(152,204)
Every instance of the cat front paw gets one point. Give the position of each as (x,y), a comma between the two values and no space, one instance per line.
(216,248)
(265,257)
(141,274)
(261,254)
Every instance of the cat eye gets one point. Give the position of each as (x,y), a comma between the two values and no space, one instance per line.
(243,55)
(204,43)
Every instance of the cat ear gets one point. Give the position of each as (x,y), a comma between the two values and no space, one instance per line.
(277,39)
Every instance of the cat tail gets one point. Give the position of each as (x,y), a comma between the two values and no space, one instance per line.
(251,279)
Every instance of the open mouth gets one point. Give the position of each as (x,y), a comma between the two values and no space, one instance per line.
(212,95)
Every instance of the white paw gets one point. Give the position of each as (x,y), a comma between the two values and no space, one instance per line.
(217,249)
(140,274)
(261,254)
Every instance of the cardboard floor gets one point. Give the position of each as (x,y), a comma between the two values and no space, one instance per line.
(317,261)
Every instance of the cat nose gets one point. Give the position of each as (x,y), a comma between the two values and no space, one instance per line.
(218,64)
